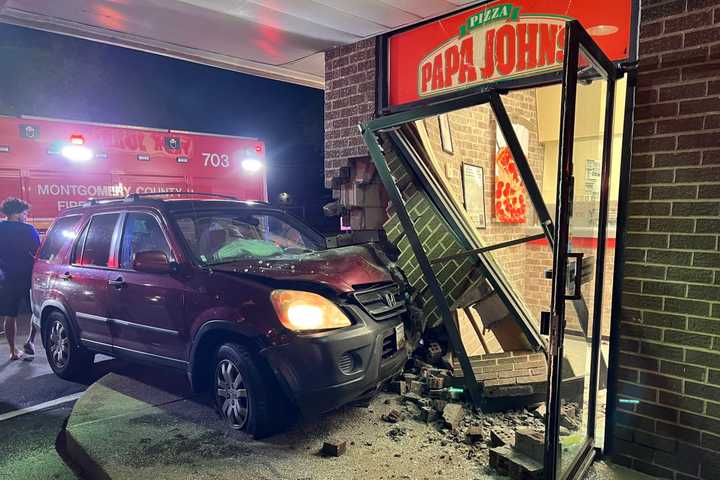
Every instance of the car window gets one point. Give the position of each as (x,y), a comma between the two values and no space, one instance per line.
(62,233)
(141,233)
(96,251)
(222,237)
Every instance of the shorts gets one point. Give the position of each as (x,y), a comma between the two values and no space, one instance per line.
(13,299)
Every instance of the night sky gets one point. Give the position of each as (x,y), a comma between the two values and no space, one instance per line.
(50,75)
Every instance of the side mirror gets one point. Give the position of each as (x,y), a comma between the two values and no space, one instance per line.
(152,261)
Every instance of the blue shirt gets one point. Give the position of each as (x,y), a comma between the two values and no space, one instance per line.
(18,243)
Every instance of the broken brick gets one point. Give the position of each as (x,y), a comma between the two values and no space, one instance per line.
(441,393)
(531,443)
(439,404)
(392,417)
(399,387)
(453,414)
(428,414)
(435,383)
(499,438)
(540,412)
(474,434)
(334,448)
(417,387)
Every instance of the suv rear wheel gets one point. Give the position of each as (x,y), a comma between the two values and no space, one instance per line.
(67,359)
(245,399)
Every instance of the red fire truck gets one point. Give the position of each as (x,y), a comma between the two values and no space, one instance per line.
(55,164)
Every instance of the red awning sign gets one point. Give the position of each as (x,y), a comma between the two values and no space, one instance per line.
(498,41)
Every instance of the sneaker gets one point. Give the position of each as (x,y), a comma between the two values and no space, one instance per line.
(29,348)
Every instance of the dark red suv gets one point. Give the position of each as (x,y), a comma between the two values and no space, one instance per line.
(247,300)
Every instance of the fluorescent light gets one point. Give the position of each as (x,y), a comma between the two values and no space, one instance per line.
(77,153)
(252,165)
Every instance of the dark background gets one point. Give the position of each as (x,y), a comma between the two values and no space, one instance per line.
(51,75)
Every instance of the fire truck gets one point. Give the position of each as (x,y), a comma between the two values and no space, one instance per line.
(55,164)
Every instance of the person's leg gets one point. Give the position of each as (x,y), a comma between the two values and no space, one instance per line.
(29,346)
(10,325)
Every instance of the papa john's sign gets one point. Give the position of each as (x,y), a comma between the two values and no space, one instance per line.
(497,41)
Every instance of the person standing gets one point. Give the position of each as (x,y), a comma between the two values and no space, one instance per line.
(18,243)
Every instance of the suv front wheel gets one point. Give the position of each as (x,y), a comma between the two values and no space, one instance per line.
(67,360)
(244,399)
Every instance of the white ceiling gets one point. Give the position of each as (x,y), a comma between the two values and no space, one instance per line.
(280,39)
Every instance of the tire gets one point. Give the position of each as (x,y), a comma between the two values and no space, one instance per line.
(67,359)
(252,402)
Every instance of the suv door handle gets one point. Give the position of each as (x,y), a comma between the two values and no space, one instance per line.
(117,283)
(66,276)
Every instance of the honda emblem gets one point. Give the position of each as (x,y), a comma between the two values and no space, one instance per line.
(390,300)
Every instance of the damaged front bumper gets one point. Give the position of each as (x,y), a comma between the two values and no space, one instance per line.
(324,371)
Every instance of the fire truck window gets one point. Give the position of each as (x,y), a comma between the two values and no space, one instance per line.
(61,234)
(99,238)
(141,234)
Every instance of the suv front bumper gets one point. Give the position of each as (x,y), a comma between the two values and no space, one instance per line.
(324,371)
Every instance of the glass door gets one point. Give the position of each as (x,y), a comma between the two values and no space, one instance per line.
(580,232)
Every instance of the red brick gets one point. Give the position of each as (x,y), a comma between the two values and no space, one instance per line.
(691,90)
(664,10)
(644,129)
(660,77)
(680,125)
(711,122)
(657,110)
(699,4)
(701,71)
(687,22)
(701,37)
(654,144)
(705,105)
(643,97)
(661,44)
(699,140)
(651,29)
(686,56)
(714,87)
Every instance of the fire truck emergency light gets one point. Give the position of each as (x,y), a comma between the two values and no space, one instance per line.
(251,165)
(76,151)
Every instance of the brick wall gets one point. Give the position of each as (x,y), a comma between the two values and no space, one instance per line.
(670,330)
(349,101)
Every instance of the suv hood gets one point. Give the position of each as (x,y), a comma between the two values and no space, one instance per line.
(337,268)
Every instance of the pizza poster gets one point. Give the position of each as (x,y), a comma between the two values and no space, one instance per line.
(510,202)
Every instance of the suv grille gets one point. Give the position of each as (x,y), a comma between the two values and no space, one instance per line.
(382,301)
(389,346)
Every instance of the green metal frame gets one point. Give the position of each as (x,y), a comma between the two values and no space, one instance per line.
(389,124)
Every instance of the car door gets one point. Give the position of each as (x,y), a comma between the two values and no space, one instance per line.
(85,281)
(146,309)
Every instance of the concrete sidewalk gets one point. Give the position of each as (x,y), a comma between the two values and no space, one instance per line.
(124,428)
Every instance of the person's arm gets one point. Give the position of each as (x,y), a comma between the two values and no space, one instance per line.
(34,242)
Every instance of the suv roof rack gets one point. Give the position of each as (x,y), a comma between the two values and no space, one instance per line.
(137,196)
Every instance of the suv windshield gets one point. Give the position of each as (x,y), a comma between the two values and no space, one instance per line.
(216,237)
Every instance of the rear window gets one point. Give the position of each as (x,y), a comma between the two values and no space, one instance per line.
(61,234)
(96,249)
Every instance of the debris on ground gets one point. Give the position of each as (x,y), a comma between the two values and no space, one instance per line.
(475,434)
(334,448)
(392,417)
(453,414)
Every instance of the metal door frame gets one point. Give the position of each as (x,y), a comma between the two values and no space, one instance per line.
(576,38)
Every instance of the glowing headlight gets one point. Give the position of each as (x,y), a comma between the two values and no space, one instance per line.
(305,311)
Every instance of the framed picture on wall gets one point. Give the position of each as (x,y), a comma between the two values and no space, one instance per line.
(445,133)
(473,183)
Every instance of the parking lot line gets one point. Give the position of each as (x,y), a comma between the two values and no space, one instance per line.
(40,406)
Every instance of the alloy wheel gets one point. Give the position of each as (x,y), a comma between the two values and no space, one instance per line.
(59,344)
(231,395)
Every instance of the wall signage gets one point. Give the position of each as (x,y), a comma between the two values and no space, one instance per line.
(497,41)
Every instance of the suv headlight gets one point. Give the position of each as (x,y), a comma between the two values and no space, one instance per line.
(305,311)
